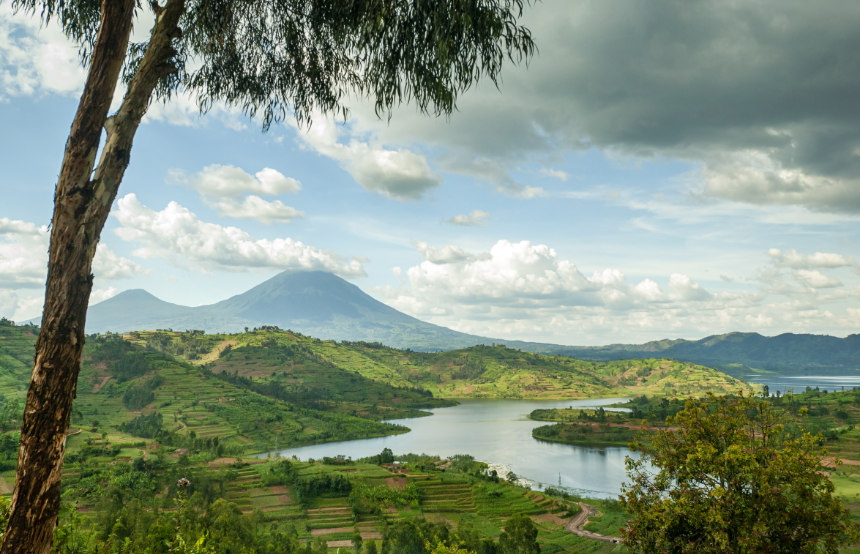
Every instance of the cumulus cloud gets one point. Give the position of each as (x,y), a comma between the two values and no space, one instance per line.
(254,207)
(178,235)
(36,59)
(522,290)
(19,307)
(793,259)
(815,279)
(445,255)
(24,257)
(526,275)
(397,173)
(227,181)
(222,187)
(110,266)
(475,219)
(23,254)
(100,294)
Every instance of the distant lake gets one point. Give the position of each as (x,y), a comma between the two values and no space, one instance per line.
(783,383)
(498,432)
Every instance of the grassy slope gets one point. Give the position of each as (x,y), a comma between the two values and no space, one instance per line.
(480,371)
(459,499)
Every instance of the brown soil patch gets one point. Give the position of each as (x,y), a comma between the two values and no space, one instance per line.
(830,461)
(222,462)
(551,518)
(338,544)
(371,535)
(330,531)
(103,382)
(396,482)
(333,509)
(216,352)
(436,518)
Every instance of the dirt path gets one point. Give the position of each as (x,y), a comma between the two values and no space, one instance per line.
(576,524)
(99,386)
(215,353)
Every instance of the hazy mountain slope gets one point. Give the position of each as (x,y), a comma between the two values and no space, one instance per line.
(786,353)
(314,303)
(323,305)
(137,309)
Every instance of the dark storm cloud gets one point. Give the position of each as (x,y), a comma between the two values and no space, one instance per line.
(768,89)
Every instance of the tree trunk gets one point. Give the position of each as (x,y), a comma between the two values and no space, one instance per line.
(82,201)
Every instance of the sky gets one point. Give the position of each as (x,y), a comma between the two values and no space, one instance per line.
(663,169)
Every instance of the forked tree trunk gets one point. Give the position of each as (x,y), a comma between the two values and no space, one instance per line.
(82,201)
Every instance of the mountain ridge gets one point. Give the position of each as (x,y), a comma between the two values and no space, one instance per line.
(322,305)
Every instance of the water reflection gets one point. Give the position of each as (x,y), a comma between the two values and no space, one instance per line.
(798,384)
(498,431)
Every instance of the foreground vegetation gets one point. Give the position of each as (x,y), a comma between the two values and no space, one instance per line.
(164,424)
(419,504)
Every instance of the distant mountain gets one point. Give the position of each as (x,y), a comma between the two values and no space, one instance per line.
(322,305)
(788,353)
(314,303)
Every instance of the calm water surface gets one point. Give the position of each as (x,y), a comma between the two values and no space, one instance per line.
(798,384)
(497,432)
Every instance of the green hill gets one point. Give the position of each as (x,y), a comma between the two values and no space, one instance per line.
(255,391)
(299,365)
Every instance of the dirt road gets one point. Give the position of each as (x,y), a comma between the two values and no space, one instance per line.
(576,524)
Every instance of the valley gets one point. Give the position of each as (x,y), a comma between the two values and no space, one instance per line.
(156,407)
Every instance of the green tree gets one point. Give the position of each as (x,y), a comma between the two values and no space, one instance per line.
(519,536)
(270,58)
(732,476)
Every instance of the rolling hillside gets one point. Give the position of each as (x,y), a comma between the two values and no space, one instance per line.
(287,359)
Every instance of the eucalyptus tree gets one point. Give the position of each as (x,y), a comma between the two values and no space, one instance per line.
(273,59)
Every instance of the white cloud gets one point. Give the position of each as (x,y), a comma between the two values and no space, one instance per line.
(178,235)
(100,295)
(649,290)
(254,207)
(182,110)
(734,180)
(815,279)
(793,259)
(222,186)
(555,174)
(24,257)
(36,59)
(445,255)
(107,265)
(683,288)
(23,254)
(521,290)
(396,173)
(227,181)
(19,306)
(475,219)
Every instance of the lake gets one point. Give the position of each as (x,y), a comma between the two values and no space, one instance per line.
(498,432)
(797,384)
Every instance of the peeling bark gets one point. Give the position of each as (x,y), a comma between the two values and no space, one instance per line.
(81,207)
